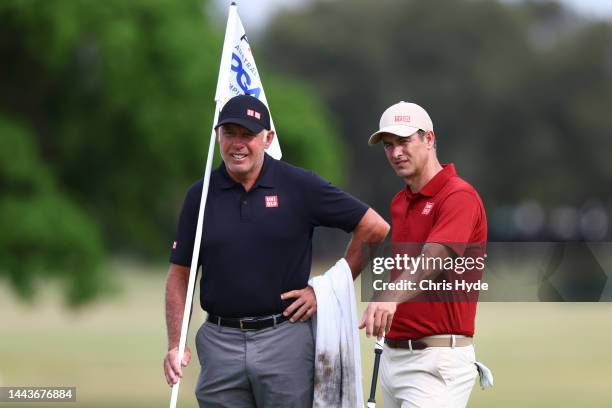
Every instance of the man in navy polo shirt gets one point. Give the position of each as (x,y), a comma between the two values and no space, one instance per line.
(256,347)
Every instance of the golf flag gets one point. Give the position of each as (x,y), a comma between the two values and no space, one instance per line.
(238,74)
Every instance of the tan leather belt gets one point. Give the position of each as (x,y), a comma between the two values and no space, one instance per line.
(433,341)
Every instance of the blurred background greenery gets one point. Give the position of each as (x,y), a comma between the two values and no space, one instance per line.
(105,114)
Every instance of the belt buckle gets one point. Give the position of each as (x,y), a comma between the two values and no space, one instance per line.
(242,321)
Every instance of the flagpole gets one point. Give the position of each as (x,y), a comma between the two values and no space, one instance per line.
(194,261)
(198,236)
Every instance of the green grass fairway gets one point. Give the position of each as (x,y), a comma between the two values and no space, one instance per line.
(542,355)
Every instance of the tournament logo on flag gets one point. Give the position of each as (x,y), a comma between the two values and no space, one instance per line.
(238,74)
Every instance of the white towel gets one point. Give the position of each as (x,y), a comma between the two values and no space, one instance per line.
(337,382)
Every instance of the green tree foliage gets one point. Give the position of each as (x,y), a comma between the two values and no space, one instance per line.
(306,130)
(106,109)
(43,233)
(518,92)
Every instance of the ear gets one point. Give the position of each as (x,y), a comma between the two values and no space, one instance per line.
(268,138)
(430,138)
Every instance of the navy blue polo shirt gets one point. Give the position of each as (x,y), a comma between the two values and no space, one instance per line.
(258,244)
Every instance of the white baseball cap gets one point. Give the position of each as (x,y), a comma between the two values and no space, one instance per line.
(402,119)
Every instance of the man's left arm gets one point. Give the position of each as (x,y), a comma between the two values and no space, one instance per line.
(367,235)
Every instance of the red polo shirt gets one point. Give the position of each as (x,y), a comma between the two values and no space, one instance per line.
(446,210)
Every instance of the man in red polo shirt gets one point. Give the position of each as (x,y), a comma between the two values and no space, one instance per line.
(428,358)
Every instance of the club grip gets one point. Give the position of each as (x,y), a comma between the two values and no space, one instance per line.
(372,398)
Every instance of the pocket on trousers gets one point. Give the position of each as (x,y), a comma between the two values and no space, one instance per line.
(469,355)
(444,366)
(200,342)
(456,364)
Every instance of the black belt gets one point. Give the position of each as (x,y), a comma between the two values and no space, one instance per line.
(248,323)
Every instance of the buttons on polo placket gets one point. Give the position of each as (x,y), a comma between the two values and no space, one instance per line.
(245,211)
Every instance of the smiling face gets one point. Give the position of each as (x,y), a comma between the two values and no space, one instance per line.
(243,151)
(408,156)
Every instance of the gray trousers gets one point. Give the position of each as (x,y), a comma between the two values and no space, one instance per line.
(269,368)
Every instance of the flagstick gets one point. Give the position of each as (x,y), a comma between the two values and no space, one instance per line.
(194,260)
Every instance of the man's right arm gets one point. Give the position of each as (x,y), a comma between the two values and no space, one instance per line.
(378,316)
(176,293)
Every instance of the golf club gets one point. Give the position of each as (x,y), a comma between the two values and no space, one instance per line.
(378,349)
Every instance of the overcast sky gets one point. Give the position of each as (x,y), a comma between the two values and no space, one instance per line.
(255,13)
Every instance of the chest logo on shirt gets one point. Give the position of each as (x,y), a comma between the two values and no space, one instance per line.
(174,245)
(271,201)
(427,209)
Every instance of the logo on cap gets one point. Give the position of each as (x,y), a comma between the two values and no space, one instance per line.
(402,118)
(251,112)
(271,201)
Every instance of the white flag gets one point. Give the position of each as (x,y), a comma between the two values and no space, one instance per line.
(238,74)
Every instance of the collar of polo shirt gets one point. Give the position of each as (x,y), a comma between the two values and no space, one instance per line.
(265,178)
(436,183)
